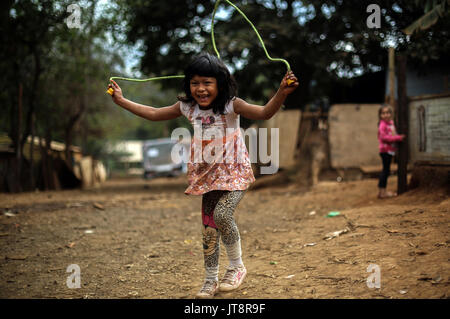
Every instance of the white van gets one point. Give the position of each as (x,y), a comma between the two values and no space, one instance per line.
(158,159)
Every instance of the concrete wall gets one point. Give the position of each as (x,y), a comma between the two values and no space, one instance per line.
(352,135)
(287,121)
(429,129)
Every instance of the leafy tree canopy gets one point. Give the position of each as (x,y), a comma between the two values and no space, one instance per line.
(325,41)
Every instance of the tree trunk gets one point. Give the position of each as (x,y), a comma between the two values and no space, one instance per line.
(33,94)
(402,122)
(73,121)
(32,179)
(30,116)
(19,156)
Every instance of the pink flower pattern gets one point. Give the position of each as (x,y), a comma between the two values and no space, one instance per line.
(230,170)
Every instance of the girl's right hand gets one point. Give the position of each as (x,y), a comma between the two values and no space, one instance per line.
(117,95)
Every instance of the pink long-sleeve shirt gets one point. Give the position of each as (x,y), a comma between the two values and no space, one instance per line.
(387,136)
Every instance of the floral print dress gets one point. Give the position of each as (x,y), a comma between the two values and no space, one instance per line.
(218,156)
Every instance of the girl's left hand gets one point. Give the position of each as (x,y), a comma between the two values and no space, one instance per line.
(289,78)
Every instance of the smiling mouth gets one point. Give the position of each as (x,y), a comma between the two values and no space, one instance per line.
(203,98)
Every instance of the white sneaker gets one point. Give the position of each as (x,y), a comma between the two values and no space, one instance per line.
(233,278)
(209,289)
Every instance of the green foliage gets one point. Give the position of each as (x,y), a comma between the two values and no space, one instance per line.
(63,72)
(326,42)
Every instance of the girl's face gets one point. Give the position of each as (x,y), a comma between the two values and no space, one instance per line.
(203,89)
(385,114)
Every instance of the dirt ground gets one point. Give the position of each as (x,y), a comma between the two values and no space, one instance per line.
(142,239)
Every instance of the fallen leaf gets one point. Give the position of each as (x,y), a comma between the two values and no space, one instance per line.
(424,278)
(335,234)
(436,279)
(16,257)
(70,205)
(267,275)
(99,206)
(337,260)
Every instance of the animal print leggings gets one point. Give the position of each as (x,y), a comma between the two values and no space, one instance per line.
(218,221)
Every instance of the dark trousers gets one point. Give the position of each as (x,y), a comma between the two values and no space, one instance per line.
(386,159)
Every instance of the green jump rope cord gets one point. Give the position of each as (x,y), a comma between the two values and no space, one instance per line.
(214,46)
(146,80)
(254,29)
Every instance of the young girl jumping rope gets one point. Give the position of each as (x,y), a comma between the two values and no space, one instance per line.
(210,102)
(387,137)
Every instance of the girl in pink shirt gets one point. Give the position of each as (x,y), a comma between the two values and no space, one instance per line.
(387,137)
(211,105)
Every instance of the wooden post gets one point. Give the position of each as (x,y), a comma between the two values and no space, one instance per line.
(402,125)
(391,69)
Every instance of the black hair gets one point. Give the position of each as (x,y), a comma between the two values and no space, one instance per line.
(208,65)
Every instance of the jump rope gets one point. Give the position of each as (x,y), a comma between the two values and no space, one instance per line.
(289,81)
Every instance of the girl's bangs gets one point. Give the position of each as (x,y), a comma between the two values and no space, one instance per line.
(203,67)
